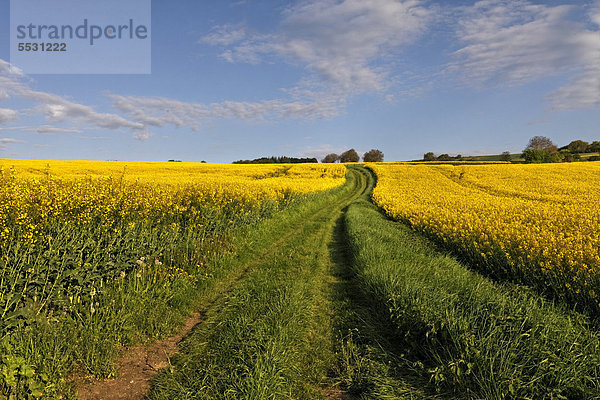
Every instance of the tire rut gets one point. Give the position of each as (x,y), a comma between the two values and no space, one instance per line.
(138,365)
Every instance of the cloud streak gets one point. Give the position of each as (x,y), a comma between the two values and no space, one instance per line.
(58,109)
(8,115)
(45,129)
(5,141)
(160,111)
(341,44)
(515,42)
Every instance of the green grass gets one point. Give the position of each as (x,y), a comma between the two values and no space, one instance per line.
(464,335)
(270,337)
(495,157)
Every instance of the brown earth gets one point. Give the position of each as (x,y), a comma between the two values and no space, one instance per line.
(137,367)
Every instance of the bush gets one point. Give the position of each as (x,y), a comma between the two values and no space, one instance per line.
(537,156)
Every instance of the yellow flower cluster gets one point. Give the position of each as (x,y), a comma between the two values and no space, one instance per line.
(534,223)
(110,193)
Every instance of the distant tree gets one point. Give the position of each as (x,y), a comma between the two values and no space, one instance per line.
(578,146)
(373,156)
(534,155)
(330,158)
(541,156)
(277,160)
(505,156)
(594,147)
(541,150)
(444,157)
(349,156)
(542,143)
(429,156)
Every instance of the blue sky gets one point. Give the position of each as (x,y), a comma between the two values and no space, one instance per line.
(244,79)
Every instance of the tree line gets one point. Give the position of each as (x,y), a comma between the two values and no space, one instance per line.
(540,149)
(429,156)
(351,155)
(277,160)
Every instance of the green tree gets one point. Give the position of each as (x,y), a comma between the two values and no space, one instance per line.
(505,156)
(349,156)
(373,156)
(594,147)
(429,156)
(330,158)
(578,146)
(540,149)
(542,143)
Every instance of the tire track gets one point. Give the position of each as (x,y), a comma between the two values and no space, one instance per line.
(138,365)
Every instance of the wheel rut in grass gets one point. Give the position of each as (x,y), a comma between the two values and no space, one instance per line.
(273,337)
(138,365)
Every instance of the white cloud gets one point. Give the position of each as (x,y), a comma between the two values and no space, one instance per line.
(595,13)
(8,115)
(10,140)
(515,42)
(8,69)
(160,111)
(59,109)
(224,35)
(582,91)
(142,112)
(5,141)
(343,44)
(52,129)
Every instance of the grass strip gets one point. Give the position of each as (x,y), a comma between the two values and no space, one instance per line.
(464,335)
(270,338)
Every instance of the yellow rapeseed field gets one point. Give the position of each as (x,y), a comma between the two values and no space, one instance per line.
(32,193)
(534,223)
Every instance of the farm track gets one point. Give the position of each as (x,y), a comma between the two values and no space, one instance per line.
(138,366)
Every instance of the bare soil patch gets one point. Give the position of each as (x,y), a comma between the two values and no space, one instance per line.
(137,367)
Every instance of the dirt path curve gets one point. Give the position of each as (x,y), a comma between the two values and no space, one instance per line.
(138,365)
